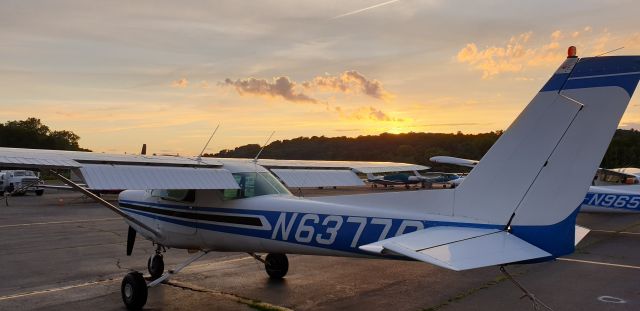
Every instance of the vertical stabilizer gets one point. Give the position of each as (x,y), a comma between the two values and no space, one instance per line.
(539,170)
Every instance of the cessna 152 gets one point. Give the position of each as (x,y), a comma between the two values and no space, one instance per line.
(514,207)
(404,179)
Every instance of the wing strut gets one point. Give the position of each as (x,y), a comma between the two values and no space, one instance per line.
(108,205)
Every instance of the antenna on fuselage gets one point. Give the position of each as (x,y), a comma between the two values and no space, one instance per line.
(255,160)
(605,53)
(199,159)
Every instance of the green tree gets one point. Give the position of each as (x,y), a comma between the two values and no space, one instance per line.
(31,133)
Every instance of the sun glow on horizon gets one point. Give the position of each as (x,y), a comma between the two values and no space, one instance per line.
(139,78)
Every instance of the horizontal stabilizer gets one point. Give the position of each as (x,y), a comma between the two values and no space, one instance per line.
(459,248)
(305,178)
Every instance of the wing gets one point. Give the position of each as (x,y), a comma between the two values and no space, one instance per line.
(454,161)
(315,173)
(362,167)
(307,178)
(459,248)
(100,171)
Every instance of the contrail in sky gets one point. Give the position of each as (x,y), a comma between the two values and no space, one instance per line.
(365,9)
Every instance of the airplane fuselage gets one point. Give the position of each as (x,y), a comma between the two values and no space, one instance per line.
(275,223)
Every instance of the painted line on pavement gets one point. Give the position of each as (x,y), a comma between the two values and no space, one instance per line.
(62,288)
(600,263)
(58,222)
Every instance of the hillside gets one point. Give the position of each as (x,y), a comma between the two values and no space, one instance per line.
(624,150)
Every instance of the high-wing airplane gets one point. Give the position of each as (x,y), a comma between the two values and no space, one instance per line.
(599,199)
(405,179)
(514,207)
(396,179)
(613,176)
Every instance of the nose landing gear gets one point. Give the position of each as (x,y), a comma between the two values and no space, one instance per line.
(134,290)
(155,264)
(134,287)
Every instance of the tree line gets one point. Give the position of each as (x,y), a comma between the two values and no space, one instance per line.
(624,150)
(31,133)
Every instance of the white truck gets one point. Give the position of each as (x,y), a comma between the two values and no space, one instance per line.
(19,182)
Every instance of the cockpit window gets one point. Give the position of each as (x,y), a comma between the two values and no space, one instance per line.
(253,185)
(178,195)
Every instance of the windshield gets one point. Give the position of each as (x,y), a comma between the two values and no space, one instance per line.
(253,185)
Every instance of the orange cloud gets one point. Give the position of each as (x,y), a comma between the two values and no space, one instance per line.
(366,113)
(204,84)
(521,52)
(494,60)
(182,83)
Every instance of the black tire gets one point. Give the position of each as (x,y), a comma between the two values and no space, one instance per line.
(134,291)
(276,265)
(39,192)
(155,265)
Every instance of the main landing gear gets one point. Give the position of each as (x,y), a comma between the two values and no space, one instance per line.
(134,288)
(276,265)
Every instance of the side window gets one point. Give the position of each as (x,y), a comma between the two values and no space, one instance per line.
(253,184)
(178,195)
(232,194)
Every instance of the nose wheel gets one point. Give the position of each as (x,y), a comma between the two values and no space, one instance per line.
(134,291)
(155,265)
(134,287)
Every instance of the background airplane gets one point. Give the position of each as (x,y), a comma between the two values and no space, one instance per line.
(405,179)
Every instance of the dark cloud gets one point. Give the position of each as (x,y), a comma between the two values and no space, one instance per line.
(350,82)
(278,87)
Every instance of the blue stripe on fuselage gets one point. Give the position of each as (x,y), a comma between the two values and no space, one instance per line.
(336,232)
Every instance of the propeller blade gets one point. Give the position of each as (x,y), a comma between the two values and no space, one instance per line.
(131,239)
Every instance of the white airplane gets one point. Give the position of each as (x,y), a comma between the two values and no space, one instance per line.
(402,178)
(514,207)
(599,199)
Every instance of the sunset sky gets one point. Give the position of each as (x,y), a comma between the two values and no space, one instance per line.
(165,73)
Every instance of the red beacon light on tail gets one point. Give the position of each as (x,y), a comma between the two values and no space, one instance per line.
(572,52)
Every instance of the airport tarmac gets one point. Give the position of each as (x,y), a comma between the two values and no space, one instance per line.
(63,252)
